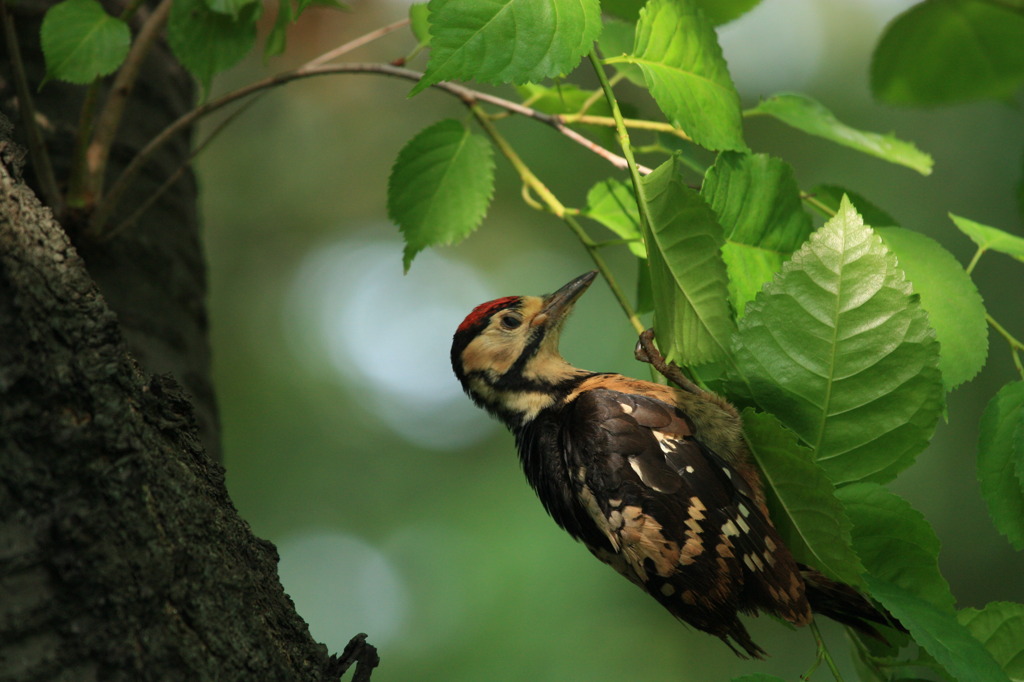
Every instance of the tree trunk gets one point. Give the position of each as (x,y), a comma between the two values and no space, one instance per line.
(121,554)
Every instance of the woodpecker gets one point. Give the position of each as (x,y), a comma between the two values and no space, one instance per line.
(656,481)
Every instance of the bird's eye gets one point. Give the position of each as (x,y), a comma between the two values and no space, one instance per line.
(511,322)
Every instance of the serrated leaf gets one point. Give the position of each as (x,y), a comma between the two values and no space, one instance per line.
(810,116)
(830,196)
(440,186)
(1000,628)
(946,51)
(678,52)
(895,542)
(612,203)
(939,633)
(840,350)
(508,41)
(81,42)
(690,286)
(207,42)
(1000,451)
(991,238)
(955,309)
(757,201)
(803,501)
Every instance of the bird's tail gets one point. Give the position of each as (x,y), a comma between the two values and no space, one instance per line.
(844,604)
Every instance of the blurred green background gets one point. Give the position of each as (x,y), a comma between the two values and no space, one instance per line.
(398,508)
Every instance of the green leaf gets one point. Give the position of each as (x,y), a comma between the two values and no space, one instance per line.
(678,52)
(440,186)
(757,201)
(939,633)
(277,39)
(717,11)
(946,51)
(233,8)
(839,349)
(1000,627)
(808,115)
(830,196)
(758,677)
(721,12)
(81,42)
(803,501)
(991,238)
(895,542)
(612,203)
(623,9)
(207,42)
(955,309)
(690,286)
(1000,452)
(419,22)
(508,41)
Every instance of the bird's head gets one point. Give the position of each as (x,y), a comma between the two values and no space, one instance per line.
(505,353)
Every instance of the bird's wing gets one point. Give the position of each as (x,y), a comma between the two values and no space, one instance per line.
(683,523)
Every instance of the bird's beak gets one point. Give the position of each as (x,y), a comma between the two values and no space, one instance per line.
(557,305)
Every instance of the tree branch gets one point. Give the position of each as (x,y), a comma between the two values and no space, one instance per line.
(48,186)
(109,119)
(109,202)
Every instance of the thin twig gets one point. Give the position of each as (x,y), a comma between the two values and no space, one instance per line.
(109,202)
(78,175)
(109,118)
(639,124)
(48,187)
(354,43)
(623,136)
(182,167)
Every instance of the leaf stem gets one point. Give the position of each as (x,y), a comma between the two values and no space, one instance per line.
(1015,345)
(817,203)
(974,260)
(597,94)
(48,187)
(551,203)
(823,653)
(623,137)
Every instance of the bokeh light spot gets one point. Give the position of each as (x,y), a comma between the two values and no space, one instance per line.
(343,586)
(388,335)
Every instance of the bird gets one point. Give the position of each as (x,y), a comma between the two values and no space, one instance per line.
(656,481)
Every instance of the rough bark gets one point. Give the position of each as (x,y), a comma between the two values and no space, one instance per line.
(153,275)
(121,554)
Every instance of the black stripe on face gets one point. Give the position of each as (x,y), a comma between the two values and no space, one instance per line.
(515,372)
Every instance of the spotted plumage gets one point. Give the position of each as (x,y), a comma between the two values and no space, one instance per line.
(655,481)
